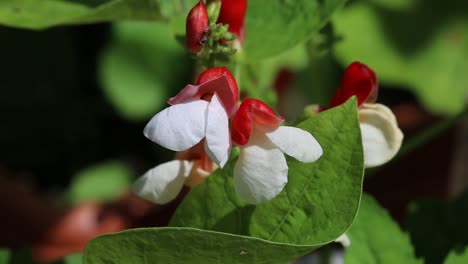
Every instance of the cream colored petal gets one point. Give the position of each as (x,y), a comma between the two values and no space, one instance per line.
(381,136)
(163,183)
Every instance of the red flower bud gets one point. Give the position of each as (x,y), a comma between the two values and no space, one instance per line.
(358,80)
(196,27)
(252,111)
(233,13)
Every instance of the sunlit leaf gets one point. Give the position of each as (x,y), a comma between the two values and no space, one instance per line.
(186,245)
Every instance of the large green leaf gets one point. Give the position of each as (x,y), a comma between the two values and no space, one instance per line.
(318,204)
(274,26)
(445,222)
(376,238)
(455,258)
(35,14)
(100,182)
(423,49)
(142,67)
(186,245)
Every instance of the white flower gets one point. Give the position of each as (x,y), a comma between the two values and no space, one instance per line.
(164,182)
(261,171)
(381,137)
(191,118)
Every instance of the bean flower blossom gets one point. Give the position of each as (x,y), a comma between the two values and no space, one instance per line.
(197,126)
(197,112)
(261,171)
(381,137)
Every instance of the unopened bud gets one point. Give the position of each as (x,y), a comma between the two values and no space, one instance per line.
(359,80)
(233,13)
(197,29)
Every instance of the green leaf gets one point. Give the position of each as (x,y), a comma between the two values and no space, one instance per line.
(455,258)
(376,238)
(142,67)
(186,245)
(318,204)
(419,49)
(444,222)
(100,182)
(4,256)
(274,26)
(76,258)
(35,14)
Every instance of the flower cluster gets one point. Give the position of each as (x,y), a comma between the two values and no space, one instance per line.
(207,113)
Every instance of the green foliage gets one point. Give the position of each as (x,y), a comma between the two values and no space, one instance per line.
(317,205)
(76,258)
(101,182)
(35,14)
(455,258)
(141,68)
(376,238)
(423,48)
(444,222)
(4,256)
(186,245)
(274,26)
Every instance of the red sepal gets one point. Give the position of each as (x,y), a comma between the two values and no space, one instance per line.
(252,111)
(217,80)
(359,80)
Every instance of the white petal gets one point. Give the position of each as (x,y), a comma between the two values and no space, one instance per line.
(260,173)
(178,127)
(218,138)
(381,136)
(163,183)
(297,143)
(344,240)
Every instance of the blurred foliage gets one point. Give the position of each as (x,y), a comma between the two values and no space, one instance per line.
(457,258)
(46,13)
(436,227)
(422,47)
(376,238)
(4,256)
(142,67)
(274,26)
(101,182)
(23,256)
